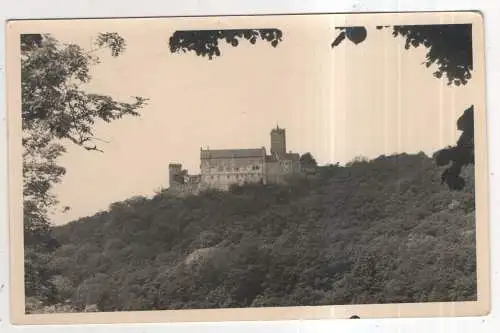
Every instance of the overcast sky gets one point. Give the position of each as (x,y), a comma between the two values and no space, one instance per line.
(369,99)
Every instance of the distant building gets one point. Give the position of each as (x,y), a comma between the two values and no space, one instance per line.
(221,168)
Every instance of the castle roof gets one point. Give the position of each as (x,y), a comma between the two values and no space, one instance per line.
(289,156)
(232,153)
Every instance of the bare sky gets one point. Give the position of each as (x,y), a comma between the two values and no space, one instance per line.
(368,99)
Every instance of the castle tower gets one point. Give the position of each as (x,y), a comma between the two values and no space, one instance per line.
(278,141)
(174,169)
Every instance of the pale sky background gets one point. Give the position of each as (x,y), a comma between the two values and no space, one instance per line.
(369,99)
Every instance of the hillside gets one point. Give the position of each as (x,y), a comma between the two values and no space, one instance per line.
(375,231)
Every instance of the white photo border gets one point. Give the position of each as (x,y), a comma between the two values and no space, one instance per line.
(61,9)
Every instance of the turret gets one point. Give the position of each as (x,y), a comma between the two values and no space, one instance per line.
(278,141)
(174,169)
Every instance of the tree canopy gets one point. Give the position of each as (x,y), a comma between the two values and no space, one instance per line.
(55,109)
(308,160)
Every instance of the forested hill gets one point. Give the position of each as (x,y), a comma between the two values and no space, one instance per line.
(375,231)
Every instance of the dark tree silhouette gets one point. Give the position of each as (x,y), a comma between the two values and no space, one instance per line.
(449,45)
(354,34)
(450,49)
(308,160)
(460,155)
(206,42)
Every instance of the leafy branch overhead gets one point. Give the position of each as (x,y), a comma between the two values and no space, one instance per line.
(206,42)
(52,75)
(449,46)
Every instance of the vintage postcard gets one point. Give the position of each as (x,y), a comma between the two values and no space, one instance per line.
(234,168)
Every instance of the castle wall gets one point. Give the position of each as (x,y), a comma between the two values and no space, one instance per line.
(273,172)
(182,183)
(185,189)
(294,166)
(221,173)
(279,168)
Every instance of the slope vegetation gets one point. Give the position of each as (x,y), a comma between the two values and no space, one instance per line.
(375,231)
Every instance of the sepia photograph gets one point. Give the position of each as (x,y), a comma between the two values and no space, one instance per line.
(247,168)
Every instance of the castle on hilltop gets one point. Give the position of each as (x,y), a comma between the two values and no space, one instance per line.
(221,168)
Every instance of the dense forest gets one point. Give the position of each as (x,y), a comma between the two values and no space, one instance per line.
(378,231)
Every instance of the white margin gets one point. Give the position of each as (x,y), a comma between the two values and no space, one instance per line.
(21,9)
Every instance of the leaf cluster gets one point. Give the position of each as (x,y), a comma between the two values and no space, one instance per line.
(206,42)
